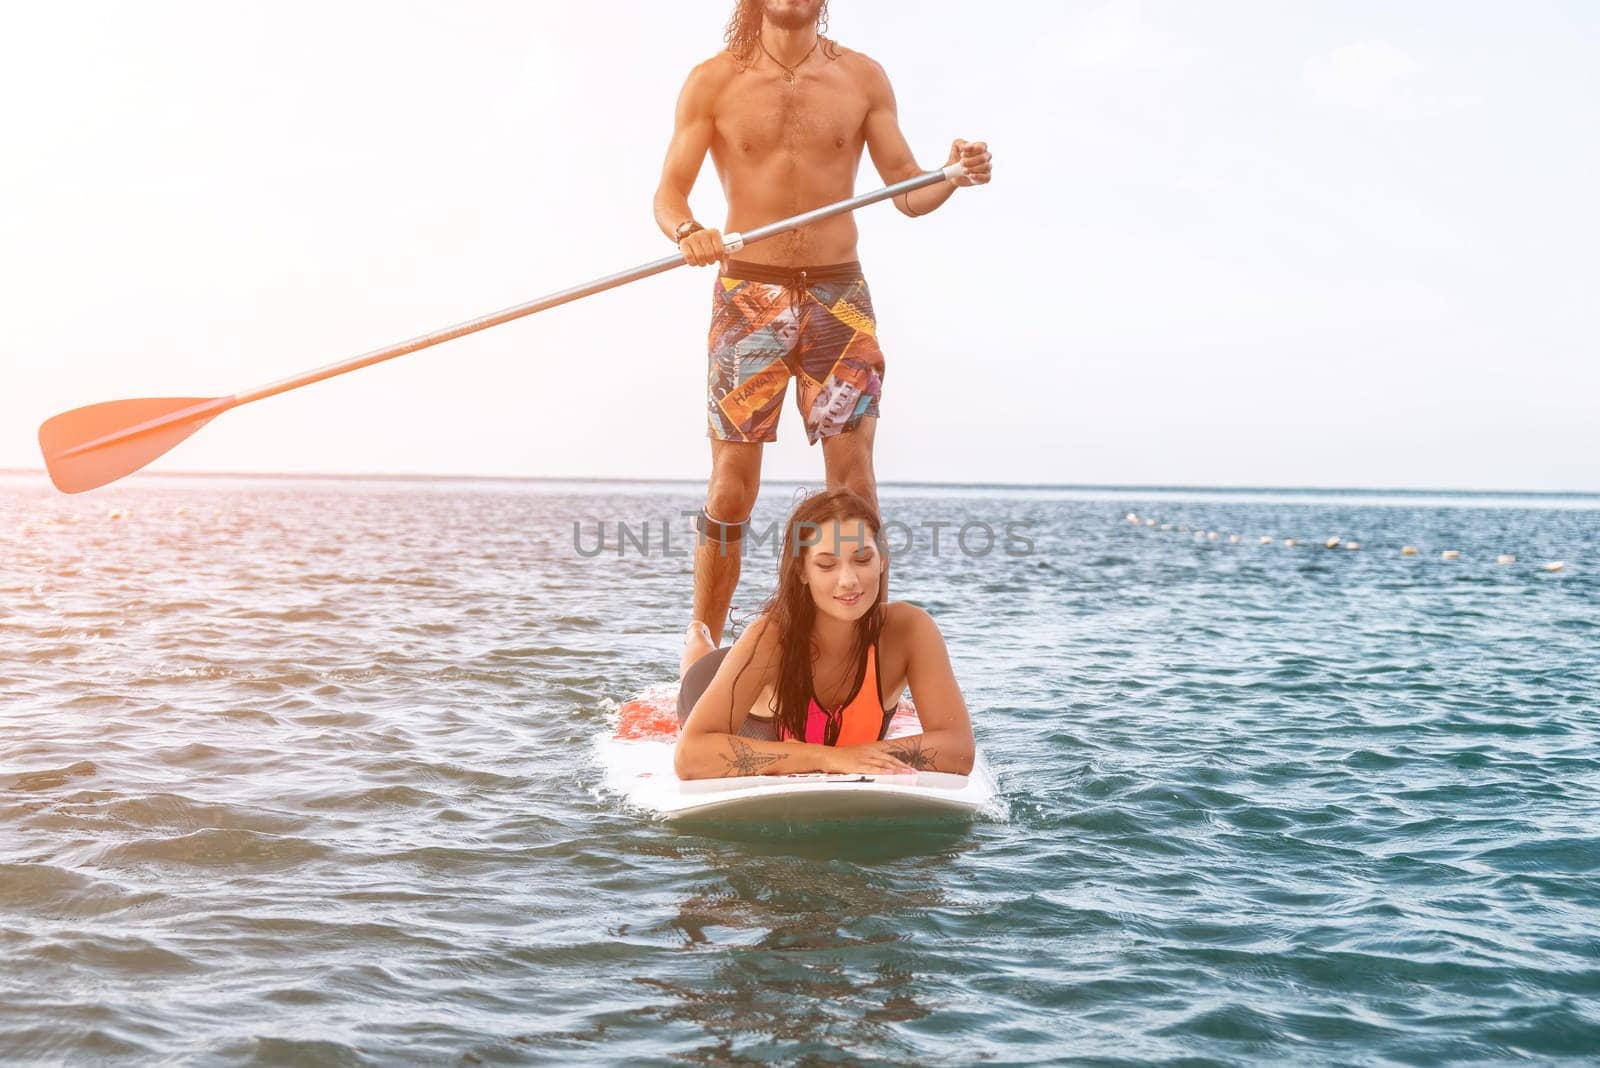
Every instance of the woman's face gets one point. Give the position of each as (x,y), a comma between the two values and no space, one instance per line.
(843,568)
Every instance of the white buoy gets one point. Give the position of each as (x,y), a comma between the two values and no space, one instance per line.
(1132,518)
(1450,554)
(1555,565)
(1332,543)
(1233,539)
(1408,550)
(1266,539)
(1149,522)
(1166,526)
(1505,558)
(1352,545)
(1212,535)
(1290,543)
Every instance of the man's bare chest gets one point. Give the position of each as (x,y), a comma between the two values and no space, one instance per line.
(812,116)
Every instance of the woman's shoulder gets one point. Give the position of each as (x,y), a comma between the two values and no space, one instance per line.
(906,622)
(759,640)
(909,637)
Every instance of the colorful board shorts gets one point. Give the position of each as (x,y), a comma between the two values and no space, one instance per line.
(814,324)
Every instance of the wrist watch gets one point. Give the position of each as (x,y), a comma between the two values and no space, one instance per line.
(685,228)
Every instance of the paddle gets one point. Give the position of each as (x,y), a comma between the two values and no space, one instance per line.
(91,446)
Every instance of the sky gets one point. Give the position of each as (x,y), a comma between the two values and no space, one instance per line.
(1233,243)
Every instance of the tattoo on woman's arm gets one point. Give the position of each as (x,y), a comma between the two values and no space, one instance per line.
(911,752)
(747,759)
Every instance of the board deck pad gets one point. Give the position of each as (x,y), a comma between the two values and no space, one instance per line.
(638,762)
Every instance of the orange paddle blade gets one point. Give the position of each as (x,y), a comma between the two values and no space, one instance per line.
(88,447)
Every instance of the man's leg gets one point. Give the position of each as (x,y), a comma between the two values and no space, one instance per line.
(730,496)
(696,644)
(847,459)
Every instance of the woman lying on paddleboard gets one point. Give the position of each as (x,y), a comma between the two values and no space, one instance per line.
(812,684)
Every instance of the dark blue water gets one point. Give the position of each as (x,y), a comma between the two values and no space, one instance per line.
(298,771)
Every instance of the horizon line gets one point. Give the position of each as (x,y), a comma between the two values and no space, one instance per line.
(912,483)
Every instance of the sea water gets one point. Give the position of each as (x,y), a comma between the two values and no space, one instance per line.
(301,771)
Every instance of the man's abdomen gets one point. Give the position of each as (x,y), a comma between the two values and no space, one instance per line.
(785,184)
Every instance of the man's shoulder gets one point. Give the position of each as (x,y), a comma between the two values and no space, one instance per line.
(705,83)
(716,69)
(858,65)
(850,57)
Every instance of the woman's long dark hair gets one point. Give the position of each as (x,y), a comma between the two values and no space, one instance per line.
(792,612)
(744,26)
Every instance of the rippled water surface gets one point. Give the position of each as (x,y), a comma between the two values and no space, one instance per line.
(304,771)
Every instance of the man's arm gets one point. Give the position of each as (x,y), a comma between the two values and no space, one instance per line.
(693,127)
(891,155)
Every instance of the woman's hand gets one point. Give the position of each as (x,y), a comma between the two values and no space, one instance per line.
(869,759)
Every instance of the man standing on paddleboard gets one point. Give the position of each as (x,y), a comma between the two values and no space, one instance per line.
(785,113)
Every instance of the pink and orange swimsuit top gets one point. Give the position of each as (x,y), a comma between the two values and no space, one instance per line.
(860,719)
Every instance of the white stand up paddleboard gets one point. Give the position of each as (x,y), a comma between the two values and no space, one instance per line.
(638,764)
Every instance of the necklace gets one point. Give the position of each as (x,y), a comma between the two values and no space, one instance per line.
(788,72)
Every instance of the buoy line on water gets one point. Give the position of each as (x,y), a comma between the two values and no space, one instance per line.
(1333,541)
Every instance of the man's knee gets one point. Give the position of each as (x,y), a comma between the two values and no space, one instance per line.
(729,503)
(731,500)
(731,493)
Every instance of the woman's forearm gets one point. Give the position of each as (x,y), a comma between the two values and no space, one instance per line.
(715,756)
(940,750)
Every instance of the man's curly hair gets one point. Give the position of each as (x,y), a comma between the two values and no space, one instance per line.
(744,27)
